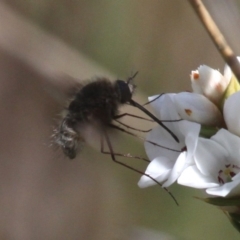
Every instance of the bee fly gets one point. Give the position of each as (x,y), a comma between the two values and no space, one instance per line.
(96,104)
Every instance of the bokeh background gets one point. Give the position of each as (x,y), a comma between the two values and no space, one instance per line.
(47,45)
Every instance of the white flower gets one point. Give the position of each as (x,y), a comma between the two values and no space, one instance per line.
(210,83)
(217,165)
(210,164)
(168,163)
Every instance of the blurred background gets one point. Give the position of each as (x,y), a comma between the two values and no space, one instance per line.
(47,45)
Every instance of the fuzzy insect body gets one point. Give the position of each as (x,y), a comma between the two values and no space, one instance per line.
(95,104)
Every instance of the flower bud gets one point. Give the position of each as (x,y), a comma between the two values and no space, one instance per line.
(210,83)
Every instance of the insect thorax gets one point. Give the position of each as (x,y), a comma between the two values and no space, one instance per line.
(96,102)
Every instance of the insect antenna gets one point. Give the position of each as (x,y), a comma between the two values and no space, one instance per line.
(111,152)
(153,99)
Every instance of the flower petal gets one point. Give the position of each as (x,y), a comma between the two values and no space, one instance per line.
(210,157)
(177,169)
(192,177)
(231,143)
(197,108)
(159,136)
(159,169)
(228,189)
(232,114)
(185,159)
(164,107)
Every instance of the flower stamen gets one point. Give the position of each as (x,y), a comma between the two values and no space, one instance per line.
(226,175)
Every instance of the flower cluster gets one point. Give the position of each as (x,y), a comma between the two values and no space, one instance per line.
(207,124)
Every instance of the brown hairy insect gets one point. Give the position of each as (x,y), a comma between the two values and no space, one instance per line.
(96,104)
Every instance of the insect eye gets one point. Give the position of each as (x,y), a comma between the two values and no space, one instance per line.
(125,93)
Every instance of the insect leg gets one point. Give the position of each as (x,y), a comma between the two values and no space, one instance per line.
(127,166)
(136,129)
(134,135)
(132,115)
(128,155)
